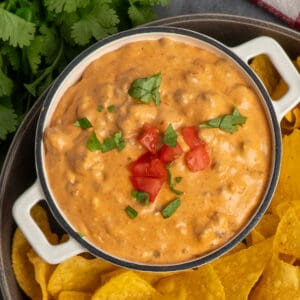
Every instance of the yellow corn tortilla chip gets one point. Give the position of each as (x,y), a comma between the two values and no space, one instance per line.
(73,295)
(287,239)
(297,63)
(42,272)
(288,187)
(125,286)
(240,246)
(284,206)
(254,237)
(265,70)
(22,267)
(240,271)
(280,280)
(267,225)
(78,274)
(199,284)
(279,90)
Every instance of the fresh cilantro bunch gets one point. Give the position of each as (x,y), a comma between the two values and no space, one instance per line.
(38,38)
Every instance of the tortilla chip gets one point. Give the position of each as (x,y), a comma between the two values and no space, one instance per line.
(125,286)
(265,70)
(240,246)
(279,281)
(279,90)
(202,283)
(267,225)
(254,237)
(288,187)
(73,295)
(78,274)
(240,271)
(42,272)
(287,240)
(22,267)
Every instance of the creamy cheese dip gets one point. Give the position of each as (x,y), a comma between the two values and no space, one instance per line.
(93,188)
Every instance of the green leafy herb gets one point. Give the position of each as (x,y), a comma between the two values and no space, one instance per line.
(111,108)
(116,141)
(170,137)
(170,209)
(171,181)
(141,197)
(83,123)
(39,38)
(146,89)
(93,144)
(228,122)
(178,179)
(100,108)
(131,212)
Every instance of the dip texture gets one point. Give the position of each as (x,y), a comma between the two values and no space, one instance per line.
(94,188)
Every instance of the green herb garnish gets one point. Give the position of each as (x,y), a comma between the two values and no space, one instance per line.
(39,38)
(131,212)
(171,181)
(170,209)
(178,179)
(227,123)
(83,123)
(170,137)
(111,108)
(100,108)
(116,141)
(146,89)
(141,197)
(93,144)
(81,234)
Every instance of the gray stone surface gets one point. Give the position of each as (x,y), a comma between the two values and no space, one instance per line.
(233,7)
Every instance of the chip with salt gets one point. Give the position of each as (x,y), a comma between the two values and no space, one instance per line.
(23,268)
(42,272)
(202,283)
(288,187)
(73,295)
(240,271)
(263,67)
(280,280)
(287,240)
(78,274)
(125,286)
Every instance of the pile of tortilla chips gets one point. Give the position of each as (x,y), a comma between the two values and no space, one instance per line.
(265,266)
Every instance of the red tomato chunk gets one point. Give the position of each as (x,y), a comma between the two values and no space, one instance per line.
(168,154)
(197,159)
(150,138)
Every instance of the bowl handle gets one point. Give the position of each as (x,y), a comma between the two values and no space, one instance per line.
(53,254)
(282,63)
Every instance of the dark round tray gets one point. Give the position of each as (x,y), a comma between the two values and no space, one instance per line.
(18,172)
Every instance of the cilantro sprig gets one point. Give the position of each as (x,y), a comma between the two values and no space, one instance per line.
(170,137)
(39,38)
(146,89)
(228,122)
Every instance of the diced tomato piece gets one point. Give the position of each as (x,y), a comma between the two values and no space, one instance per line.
(191,137)
(158,169)
(197,159)
(150,138)
(168,154)
(147,184)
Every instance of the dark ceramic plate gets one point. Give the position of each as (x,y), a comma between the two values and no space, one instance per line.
(18,171)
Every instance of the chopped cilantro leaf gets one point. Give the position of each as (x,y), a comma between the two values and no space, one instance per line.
(108,144)
(227,122)
(171,181)
(83,123)
(100,108)
(111,108)
(146,89)
(81,234)
(131,212)
(170,137)
(93,144)
(170,209)
(59,6)
(119,140)
(141,197)
(178,179)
